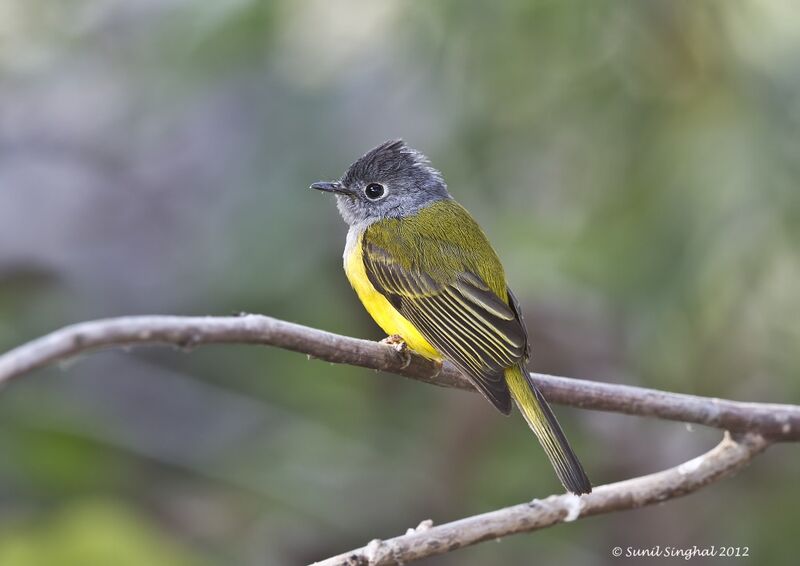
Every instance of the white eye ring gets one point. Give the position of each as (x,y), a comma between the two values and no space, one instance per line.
(374,191)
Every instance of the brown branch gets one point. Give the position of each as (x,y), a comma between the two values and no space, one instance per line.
(725,459)
(780,422)
(759,423)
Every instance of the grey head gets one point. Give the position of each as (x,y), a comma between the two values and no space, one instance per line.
(390,181)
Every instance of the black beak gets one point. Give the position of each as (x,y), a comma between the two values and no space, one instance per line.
(331,187)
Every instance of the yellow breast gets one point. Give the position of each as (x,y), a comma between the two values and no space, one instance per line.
(387,317)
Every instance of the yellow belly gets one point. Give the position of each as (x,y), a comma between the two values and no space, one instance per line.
(387,317)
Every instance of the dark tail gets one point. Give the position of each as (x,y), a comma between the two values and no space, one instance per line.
(542,421)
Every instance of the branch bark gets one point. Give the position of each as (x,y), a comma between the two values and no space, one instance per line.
(779,422)
(725,459)
(757,424)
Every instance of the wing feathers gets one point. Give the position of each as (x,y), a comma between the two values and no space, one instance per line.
(462,318)
(502,331)
(482,332)
(461,332)
(490,384)
(485,299)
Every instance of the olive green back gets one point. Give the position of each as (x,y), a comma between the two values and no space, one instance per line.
(441,240)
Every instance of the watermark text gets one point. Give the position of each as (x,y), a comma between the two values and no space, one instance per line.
(685,552)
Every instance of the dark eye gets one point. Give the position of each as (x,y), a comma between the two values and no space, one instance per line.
(374,191)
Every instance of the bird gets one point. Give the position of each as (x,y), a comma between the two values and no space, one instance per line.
(425,271)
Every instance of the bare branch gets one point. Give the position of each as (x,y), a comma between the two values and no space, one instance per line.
(187,332)
(725,459)
(759,423)
(779,422)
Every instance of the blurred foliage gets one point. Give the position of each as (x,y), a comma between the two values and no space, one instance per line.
(635,165)
(90,534)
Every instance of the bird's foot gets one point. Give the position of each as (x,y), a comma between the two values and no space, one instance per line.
(399,345)
(394,340)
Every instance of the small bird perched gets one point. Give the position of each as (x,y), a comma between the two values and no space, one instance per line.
(425,271)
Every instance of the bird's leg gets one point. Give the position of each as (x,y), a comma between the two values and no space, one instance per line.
(398,345)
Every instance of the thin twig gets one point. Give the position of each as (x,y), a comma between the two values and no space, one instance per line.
(426,540)
(779,422)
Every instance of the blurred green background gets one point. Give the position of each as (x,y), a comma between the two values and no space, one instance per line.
(635,164)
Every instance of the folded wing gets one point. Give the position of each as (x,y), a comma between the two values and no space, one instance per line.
(459,315)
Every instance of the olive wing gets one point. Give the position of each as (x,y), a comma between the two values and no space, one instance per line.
(461,317)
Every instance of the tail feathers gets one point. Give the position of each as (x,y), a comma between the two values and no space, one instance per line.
(542,421)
